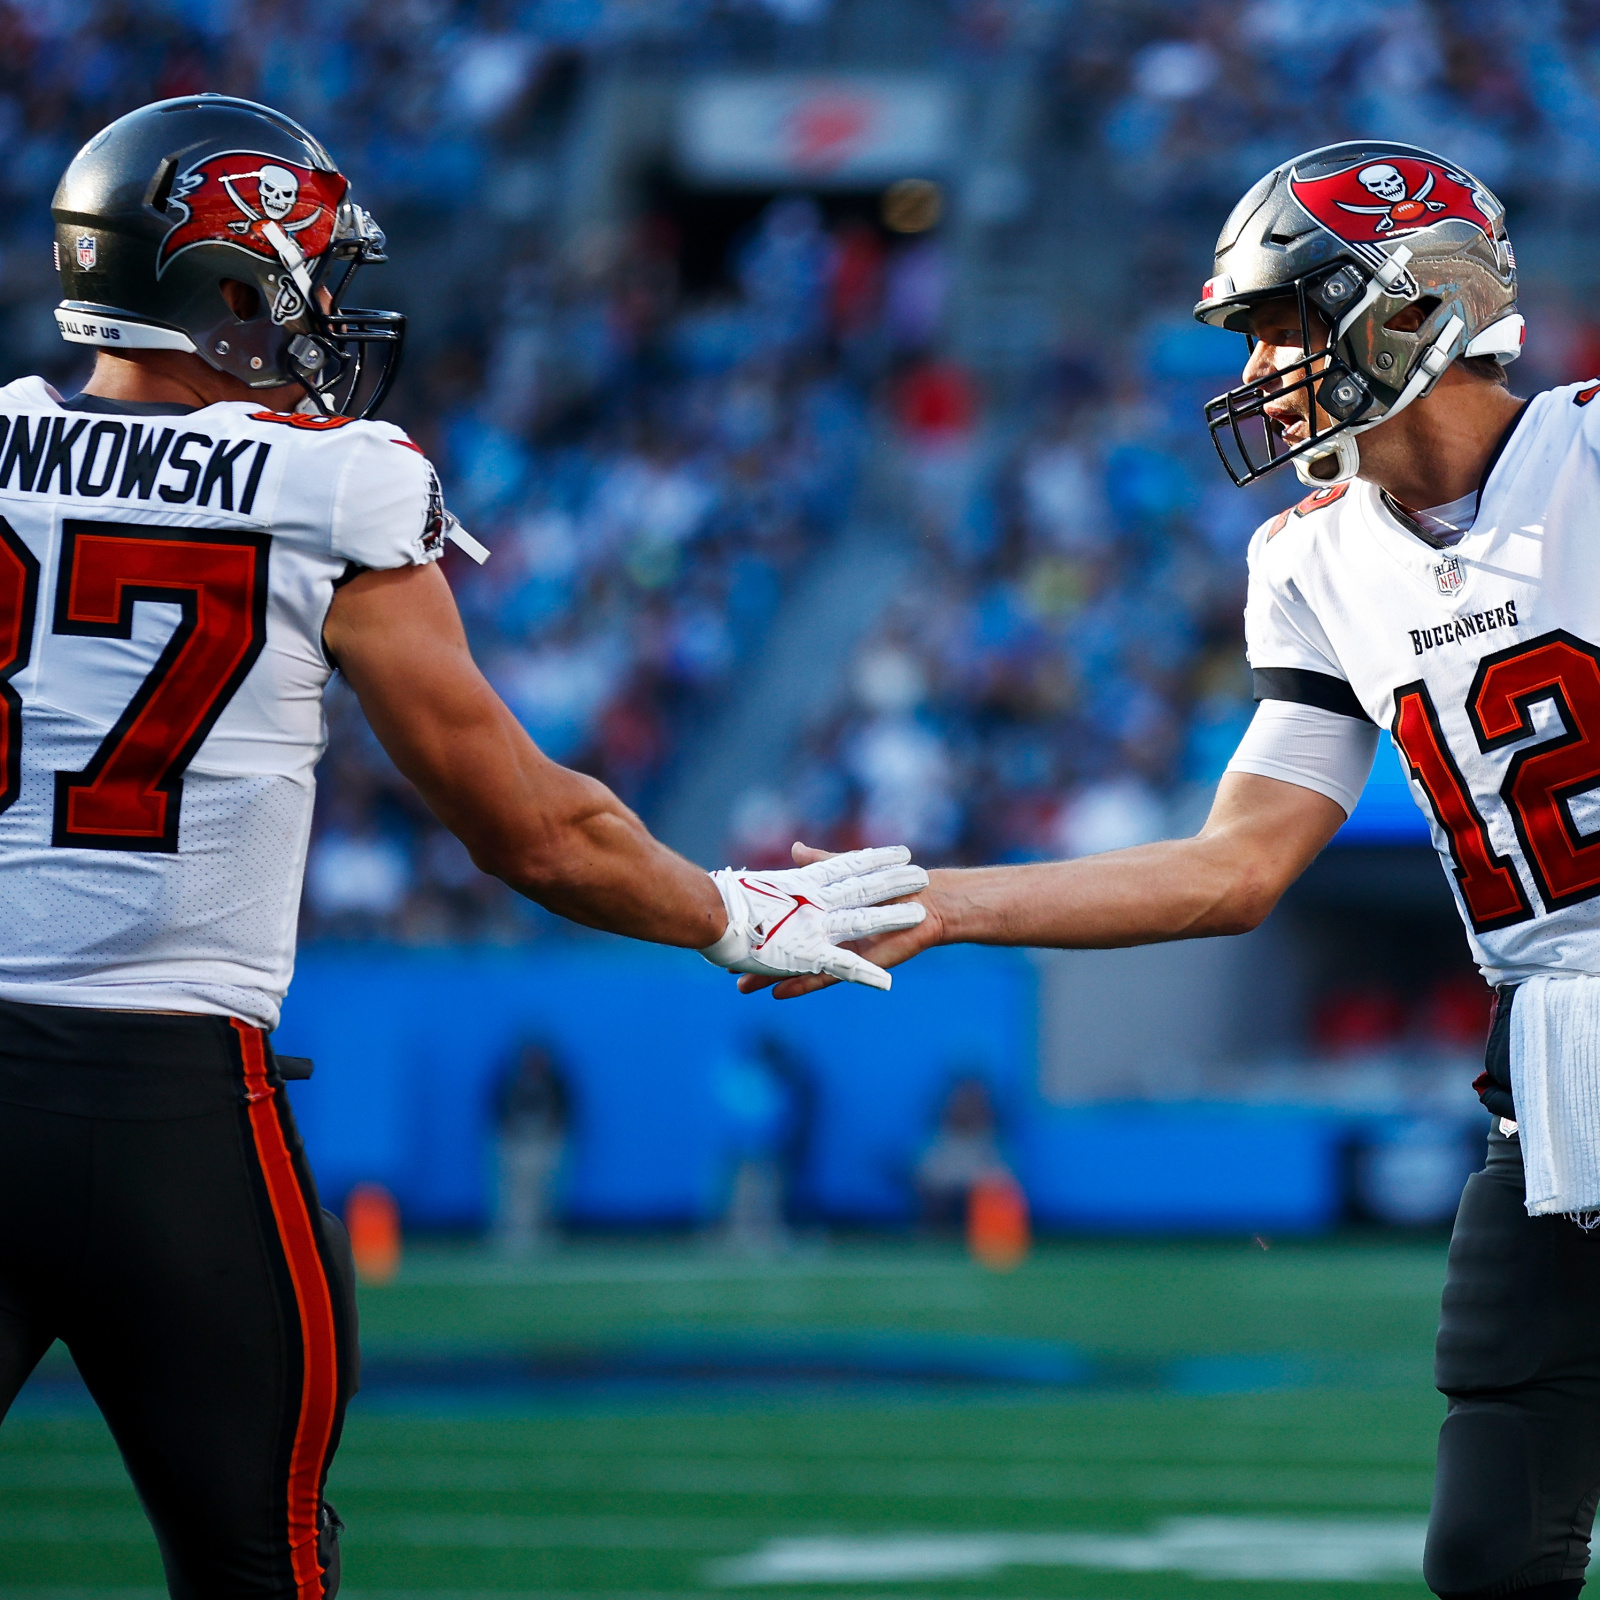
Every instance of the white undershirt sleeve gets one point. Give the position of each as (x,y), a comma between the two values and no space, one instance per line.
(1308,746)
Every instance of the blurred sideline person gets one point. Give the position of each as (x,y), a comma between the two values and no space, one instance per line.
(1440,579)
(964,1150)
(766,1094)
(532,1111)
(188,550)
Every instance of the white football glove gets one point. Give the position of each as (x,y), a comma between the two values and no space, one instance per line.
(791,922)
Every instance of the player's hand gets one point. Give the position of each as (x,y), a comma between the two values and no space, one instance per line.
(887,949)
(792,922)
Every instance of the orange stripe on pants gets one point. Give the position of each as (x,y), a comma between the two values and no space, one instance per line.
(319,1347)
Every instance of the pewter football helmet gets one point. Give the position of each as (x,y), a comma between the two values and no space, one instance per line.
(164,204)
(1355,233)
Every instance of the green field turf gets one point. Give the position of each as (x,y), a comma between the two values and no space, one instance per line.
(1251,1408)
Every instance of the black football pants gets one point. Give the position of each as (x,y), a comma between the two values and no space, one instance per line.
(157,1216)
(1519,1359)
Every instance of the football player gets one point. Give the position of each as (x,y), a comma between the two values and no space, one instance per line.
(188,550)
(1439,578)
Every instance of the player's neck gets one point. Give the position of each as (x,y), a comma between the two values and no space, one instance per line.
(1439,449)
(174,377)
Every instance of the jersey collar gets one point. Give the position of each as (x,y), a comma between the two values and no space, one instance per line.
(1447,574)
(126,408)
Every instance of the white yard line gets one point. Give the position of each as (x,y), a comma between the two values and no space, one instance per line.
(1212,1547)
(1248,1548)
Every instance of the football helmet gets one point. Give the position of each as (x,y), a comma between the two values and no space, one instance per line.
(1354,233)
(162,206)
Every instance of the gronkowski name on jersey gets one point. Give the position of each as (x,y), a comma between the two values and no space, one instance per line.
(163,585)
(1482,660)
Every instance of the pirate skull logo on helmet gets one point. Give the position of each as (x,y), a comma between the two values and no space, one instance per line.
(279,189)
(1383,180)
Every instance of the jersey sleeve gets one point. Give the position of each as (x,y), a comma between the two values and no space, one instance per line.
(1289,653)
(387,510)
(1311,748)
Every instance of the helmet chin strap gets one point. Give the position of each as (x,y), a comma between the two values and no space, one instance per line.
(1343,457)
(1343,454)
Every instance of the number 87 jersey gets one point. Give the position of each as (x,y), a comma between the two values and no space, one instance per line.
(164,577)
(1483,661)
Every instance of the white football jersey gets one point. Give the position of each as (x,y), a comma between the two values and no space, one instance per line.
(1483,661)
(164,577)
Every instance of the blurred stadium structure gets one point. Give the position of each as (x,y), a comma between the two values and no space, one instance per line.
(820,373)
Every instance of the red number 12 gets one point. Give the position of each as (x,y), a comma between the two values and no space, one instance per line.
(1540,782)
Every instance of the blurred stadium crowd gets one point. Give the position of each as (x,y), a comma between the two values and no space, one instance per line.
(653,455)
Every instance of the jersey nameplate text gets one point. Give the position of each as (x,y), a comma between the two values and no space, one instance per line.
(90,457)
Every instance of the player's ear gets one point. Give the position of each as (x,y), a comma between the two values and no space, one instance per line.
(244,299)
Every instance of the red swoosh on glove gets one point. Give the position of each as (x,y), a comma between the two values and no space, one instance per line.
(799,900)
(755,888)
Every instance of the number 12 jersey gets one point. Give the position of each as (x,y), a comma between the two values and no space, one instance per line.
(1482,660)
(164,578)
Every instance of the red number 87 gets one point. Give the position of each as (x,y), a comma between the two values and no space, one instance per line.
(130,795)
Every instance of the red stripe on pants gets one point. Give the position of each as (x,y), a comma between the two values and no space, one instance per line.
(319,1348)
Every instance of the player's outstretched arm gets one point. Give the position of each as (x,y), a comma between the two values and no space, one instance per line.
(1260,836)
(557,836)
(564,839)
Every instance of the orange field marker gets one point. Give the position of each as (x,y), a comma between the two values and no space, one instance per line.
(998,1231)
(373,1218)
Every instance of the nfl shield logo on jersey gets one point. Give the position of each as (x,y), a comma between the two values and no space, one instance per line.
(1448,575)
(86,251)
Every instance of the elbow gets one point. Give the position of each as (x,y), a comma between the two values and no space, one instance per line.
(1246,901)
(1244,916)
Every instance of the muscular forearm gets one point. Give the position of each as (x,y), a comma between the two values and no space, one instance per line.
(593,861)
(561,838)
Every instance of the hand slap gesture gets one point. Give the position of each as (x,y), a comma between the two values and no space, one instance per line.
(792,922)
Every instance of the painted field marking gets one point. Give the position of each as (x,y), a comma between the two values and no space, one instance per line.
(1202,1547)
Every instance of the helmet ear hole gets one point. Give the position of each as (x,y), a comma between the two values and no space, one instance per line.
(1409,318)
(244,299)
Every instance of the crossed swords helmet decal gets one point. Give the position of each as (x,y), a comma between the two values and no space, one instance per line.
(1389,185)
(277,189)
(186,194)
(1350,236)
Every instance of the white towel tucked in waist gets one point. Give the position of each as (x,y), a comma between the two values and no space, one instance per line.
(1555,1081)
